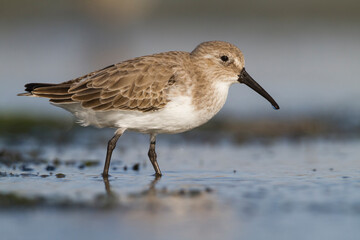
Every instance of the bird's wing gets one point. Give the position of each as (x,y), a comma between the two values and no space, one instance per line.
(139,84)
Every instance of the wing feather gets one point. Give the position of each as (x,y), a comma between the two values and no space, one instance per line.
(54,96)
(86,97)
(54,90)
(140,84)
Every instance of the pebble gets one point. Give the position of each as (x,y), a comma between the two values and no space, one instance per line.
(60,175)
(25,168)
(136,167)
(50,168)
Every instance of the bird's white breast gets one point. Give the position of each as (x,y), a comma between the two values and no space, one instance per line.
(178,115)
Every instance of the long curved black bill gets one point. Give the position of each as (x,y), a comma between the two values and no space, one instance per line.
(245,78)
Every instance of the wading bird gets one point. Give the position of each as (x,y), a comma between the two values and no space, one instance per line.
(168,92)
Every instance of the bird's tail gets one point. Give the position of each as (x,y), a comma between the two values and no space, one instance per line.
(57,93)
(30,87)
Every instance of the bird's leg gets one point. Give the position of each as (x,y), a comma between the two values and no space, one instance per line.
(110,148)
(152,155)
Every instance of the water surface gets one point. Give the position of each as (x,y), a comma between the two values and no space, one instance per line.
(280,190)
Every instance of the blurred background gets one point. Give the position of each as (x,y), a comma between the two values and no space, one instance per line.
(251,173)
(304,53)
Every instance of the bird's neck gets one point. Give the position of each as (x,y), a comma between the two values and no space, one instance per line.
(210,96)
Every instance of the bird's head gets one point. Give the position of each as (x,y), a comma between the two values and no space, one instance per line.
(225,62)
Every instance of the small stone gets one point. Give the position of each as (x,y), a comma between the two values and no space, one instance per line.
(91,163)
(25,168)
(44,175)
(60,175)
(331,169)
(125,168)
(234,171)
(28,175)
(314,170)
(81,166)
(50,168)
(136,167)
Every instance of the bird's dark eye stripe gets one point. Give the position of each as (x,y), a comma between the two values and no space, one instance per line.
(224,58)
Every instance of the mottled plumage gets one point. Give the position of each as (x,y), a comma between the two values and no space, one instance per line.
(168,92)
(139,84)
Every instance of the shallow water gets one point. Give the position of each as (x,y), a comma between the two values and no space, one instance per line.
(210,189)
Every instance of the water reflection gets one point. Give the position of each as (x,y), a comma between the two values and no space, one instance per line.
(150,190)
(152,185)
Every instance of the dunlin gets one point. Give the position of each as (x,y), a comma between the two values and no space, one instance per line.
(169,92)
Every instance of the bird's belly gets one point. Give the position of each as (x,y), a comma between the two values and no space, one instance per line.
(179,115)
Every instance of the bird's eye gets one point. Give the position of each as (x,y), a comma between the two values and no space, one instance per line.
(224,58)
